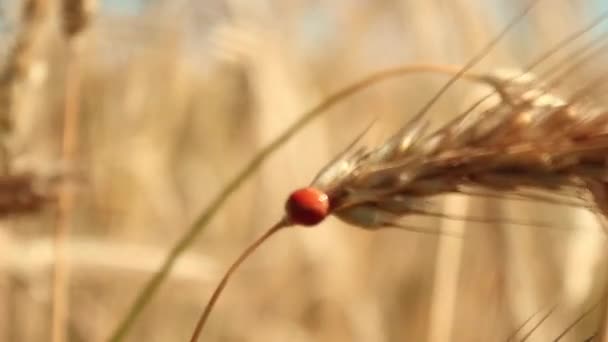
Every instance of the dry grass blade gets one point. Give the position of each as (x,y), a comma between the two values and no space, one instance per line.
(538,324)
(522,326)
(584,315)
(218,291)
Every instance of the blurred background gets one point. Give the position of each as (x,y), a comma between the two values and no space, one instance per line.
(173,98)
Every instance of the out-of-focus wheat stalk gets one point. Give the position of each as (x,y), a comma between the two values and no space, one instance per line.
(447,270)
(21,66)
(76,14)
(23,70)
(33,257)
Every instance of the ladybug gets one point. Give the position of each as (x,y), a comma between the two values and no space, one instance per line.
(307,206)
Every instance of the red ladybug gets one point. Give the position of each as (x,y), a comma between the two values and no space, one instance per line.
(307,206)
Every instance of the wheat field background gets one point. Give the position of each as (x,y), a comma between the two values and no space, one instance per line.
(173,98)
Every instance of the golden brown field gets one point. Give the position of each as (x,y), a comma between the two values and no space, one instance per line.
(133,117)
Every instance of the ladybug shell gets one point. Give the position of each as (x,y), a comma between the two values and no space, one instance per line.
(307,206)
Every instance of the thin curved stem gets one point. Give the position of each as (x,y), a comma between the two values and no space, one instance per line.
(220,287)
(538,324)
(522,326)
(577,321)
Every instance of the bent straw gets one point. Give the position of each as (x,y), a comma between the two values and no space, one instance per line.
(220,287)
(150,288)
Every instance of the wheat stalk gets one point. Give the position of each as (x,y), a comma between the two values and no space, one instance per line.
(76,15)
(20,192)
(331,191)
(20,67)
(532,139)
